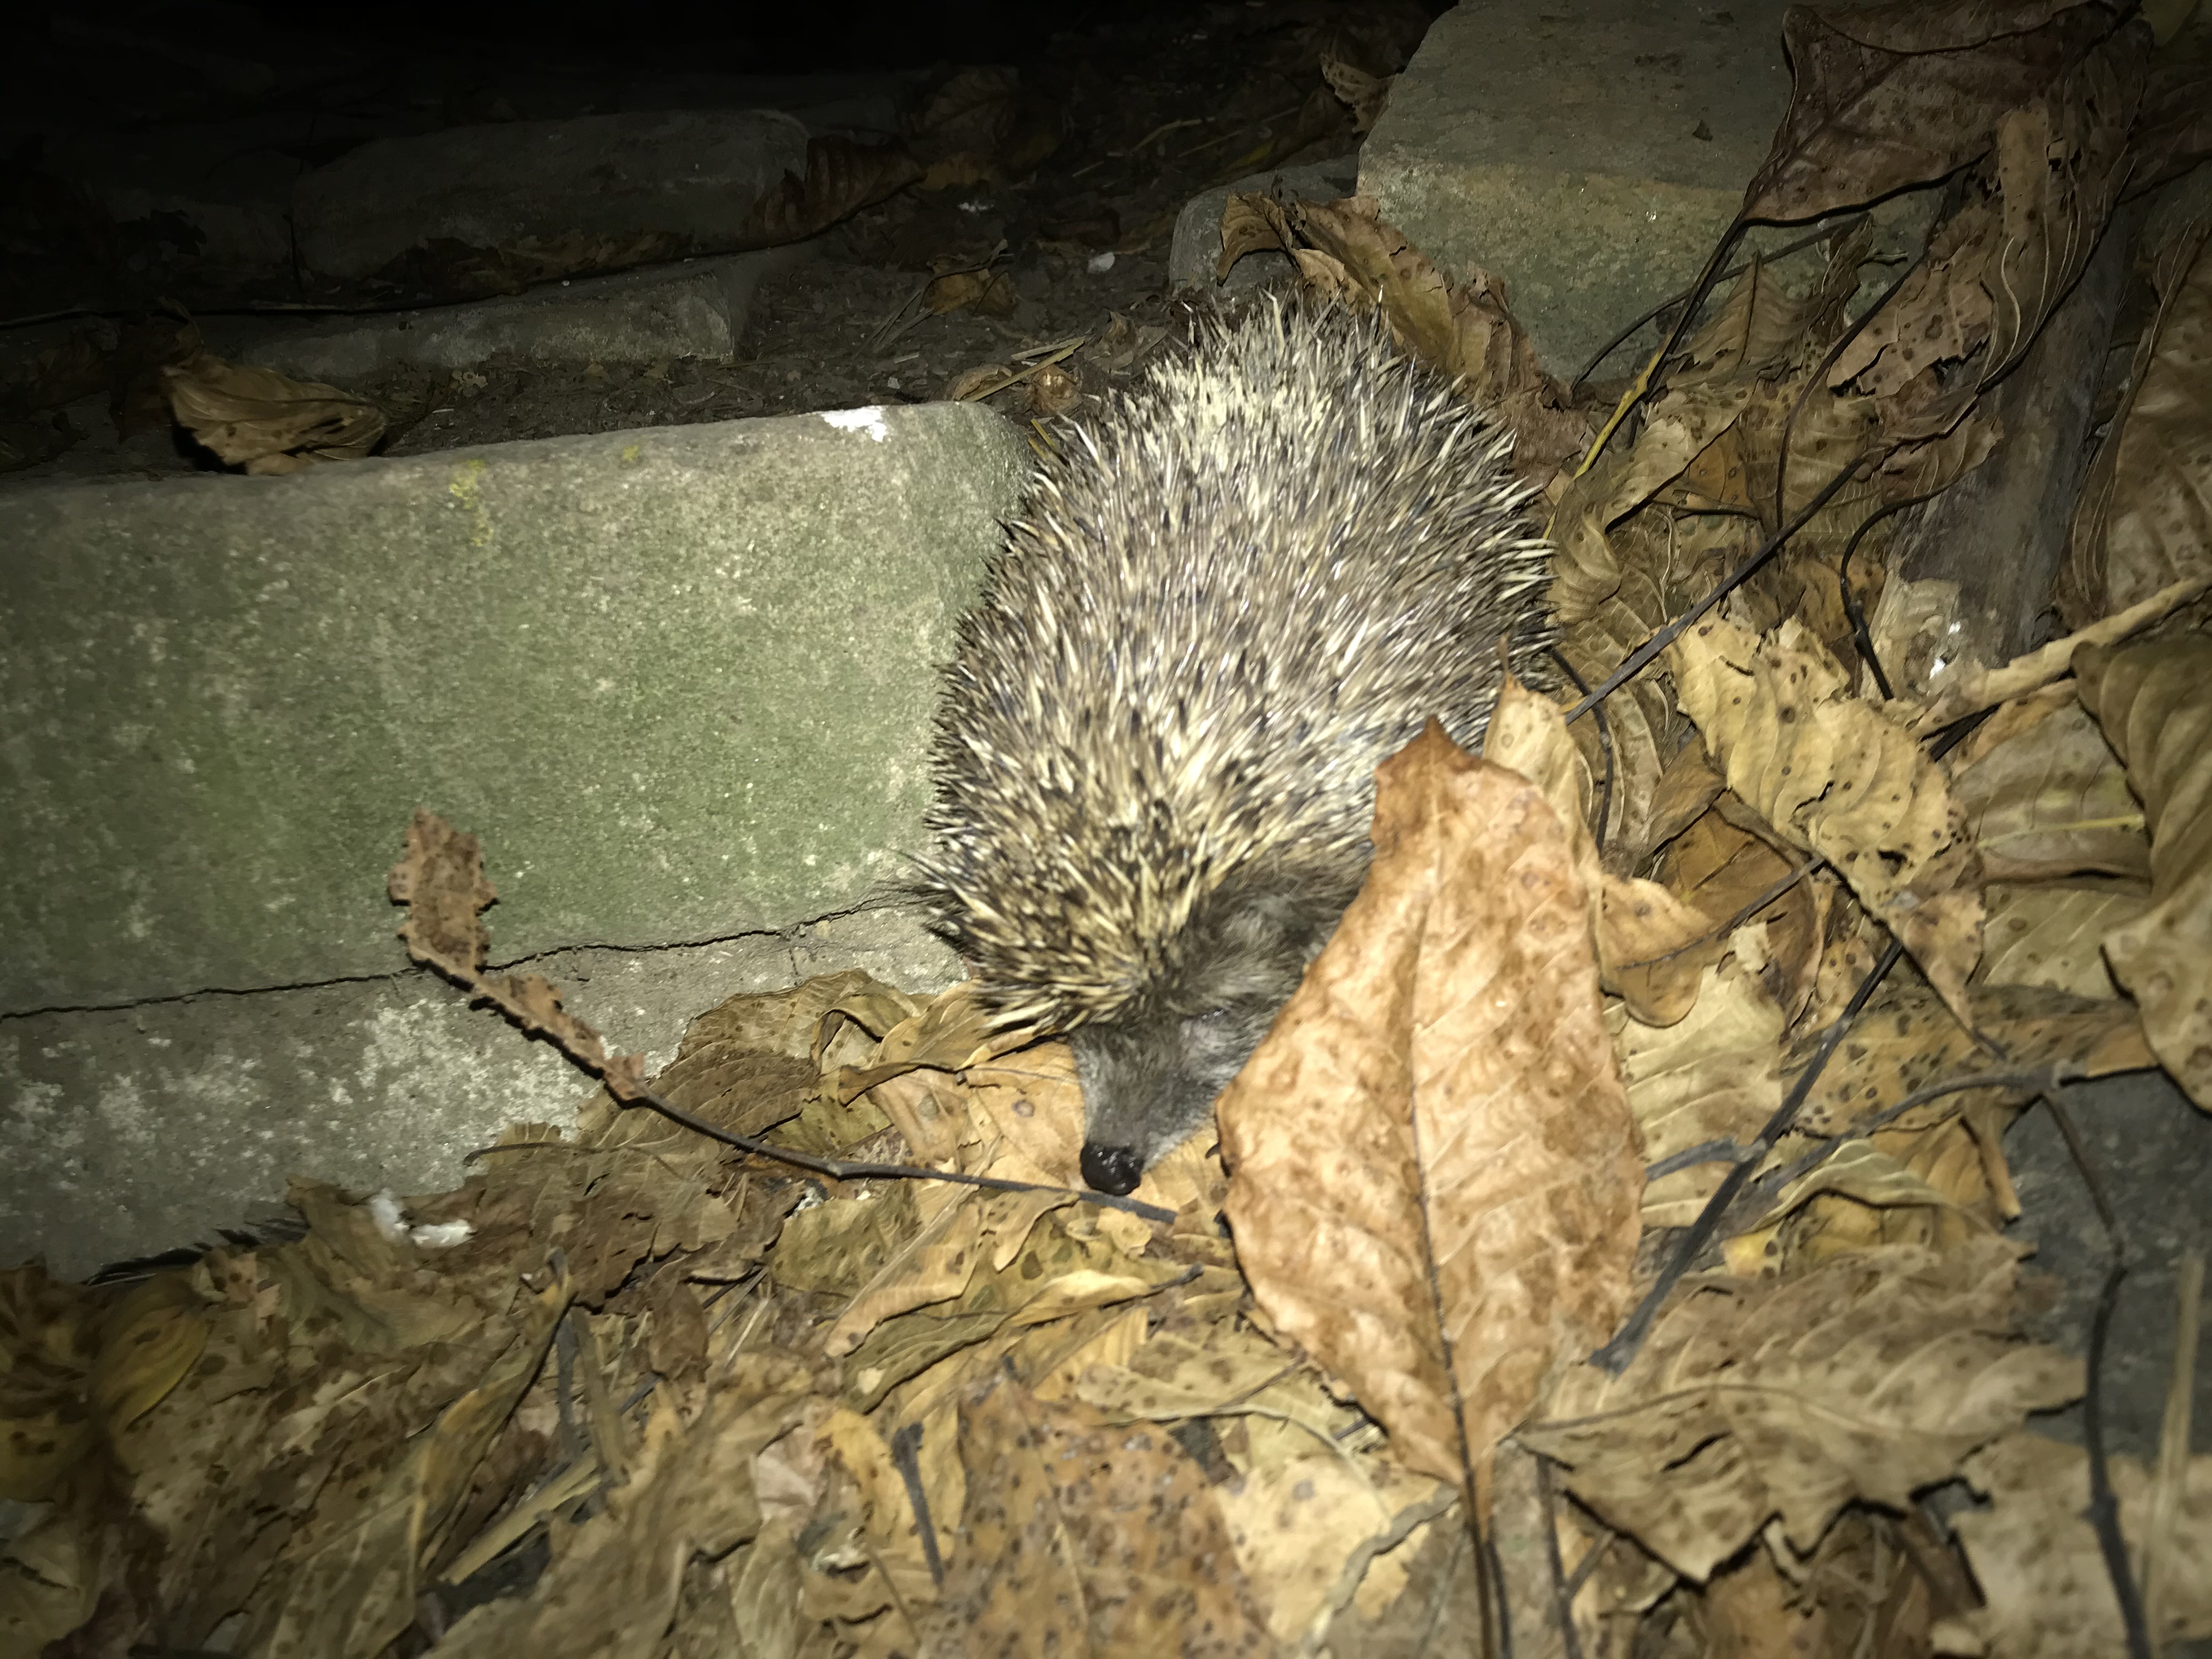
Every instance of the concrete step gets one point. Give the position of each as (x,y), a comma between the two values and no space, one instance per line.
(1589,154)
(697,308)
(691,174)
(679,679)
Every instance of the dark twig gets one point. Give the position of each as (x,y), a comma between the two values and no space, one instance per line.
(1616,1354)
(2103,1512)
(906,1453)
(1798,246)
(1862,635)
(840,1168)
(1563,1608)
(1604,746)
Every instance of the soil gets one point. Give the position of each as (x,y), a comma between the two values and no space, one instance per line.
(1140,114)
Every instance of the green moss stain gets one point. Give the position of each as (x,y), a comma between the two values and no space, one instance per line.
(466,487)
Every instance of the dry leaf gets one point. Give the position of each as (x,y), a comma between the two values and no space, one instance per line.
(613,1589)
(1834,776)
(1305,1530)
(262,421)
(1434,1177)
(2054,935)
(2154,703)
(1088,1540)
(1636,922)
(2048,798)
(1898,95)
(1710,1077)
(1908,1039)
(843,176)
(1867,1377)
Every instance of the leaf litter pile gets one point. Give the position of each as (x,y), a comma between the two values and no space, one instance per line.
(1601,1256)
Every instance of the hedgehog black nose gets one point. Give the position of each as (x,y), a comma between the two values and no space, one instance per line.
(1112,1168)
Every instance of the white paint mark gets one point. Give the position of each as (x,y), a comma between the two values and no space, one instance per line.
(869,420)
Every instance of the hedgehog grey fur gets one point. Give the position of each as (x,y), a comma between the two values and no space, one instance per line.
(1260,571)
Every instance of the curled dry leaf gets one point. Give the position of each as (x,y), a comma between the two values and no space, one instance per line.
(991,292)
(1892,96)
(614,1589)
(2154,703)
(1305,1529)
(1909,1040)
(2145,517)
(1363,94)
(1614,590)
(1346,250)
(843,176)
(1724,869)
(1636,920)
(263,420)
(1867,1377)
(1835,776)
(1434,1176)
(2047,1592)
(1996,271)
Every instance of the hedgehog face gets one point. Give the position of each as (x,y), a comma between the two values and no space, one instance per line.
(1150,1073)
(1149,1084)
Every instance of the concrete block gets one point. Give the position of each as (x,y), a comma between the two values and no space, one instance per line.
(689,173)
(1589,154)
(1197,244)
(679,679)
(697,308)
(135,1130)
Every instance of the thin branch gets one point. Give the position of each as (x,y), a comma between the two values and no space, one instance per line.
(1637,659)
(1616,1354)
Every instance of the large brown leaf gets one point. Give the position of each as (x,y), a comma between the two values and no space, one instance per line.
(2145,517)
(1434,1175)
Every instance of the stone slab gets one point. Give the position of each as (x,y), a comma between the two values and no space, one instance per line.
(690,173)
(1197,245)
(679,679)
(1590,156)
(136,1130)
(697,308)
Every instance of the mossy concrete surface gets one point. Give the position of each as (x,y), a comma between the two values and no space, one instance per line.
(1590,156)
(679,680)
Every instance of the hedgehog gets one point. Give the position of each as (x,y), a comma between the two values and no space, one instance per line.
(1258,572)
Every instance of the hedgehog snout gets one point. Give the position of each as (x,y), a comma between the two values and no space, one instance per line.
(1149,1084)
(1112,1168)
